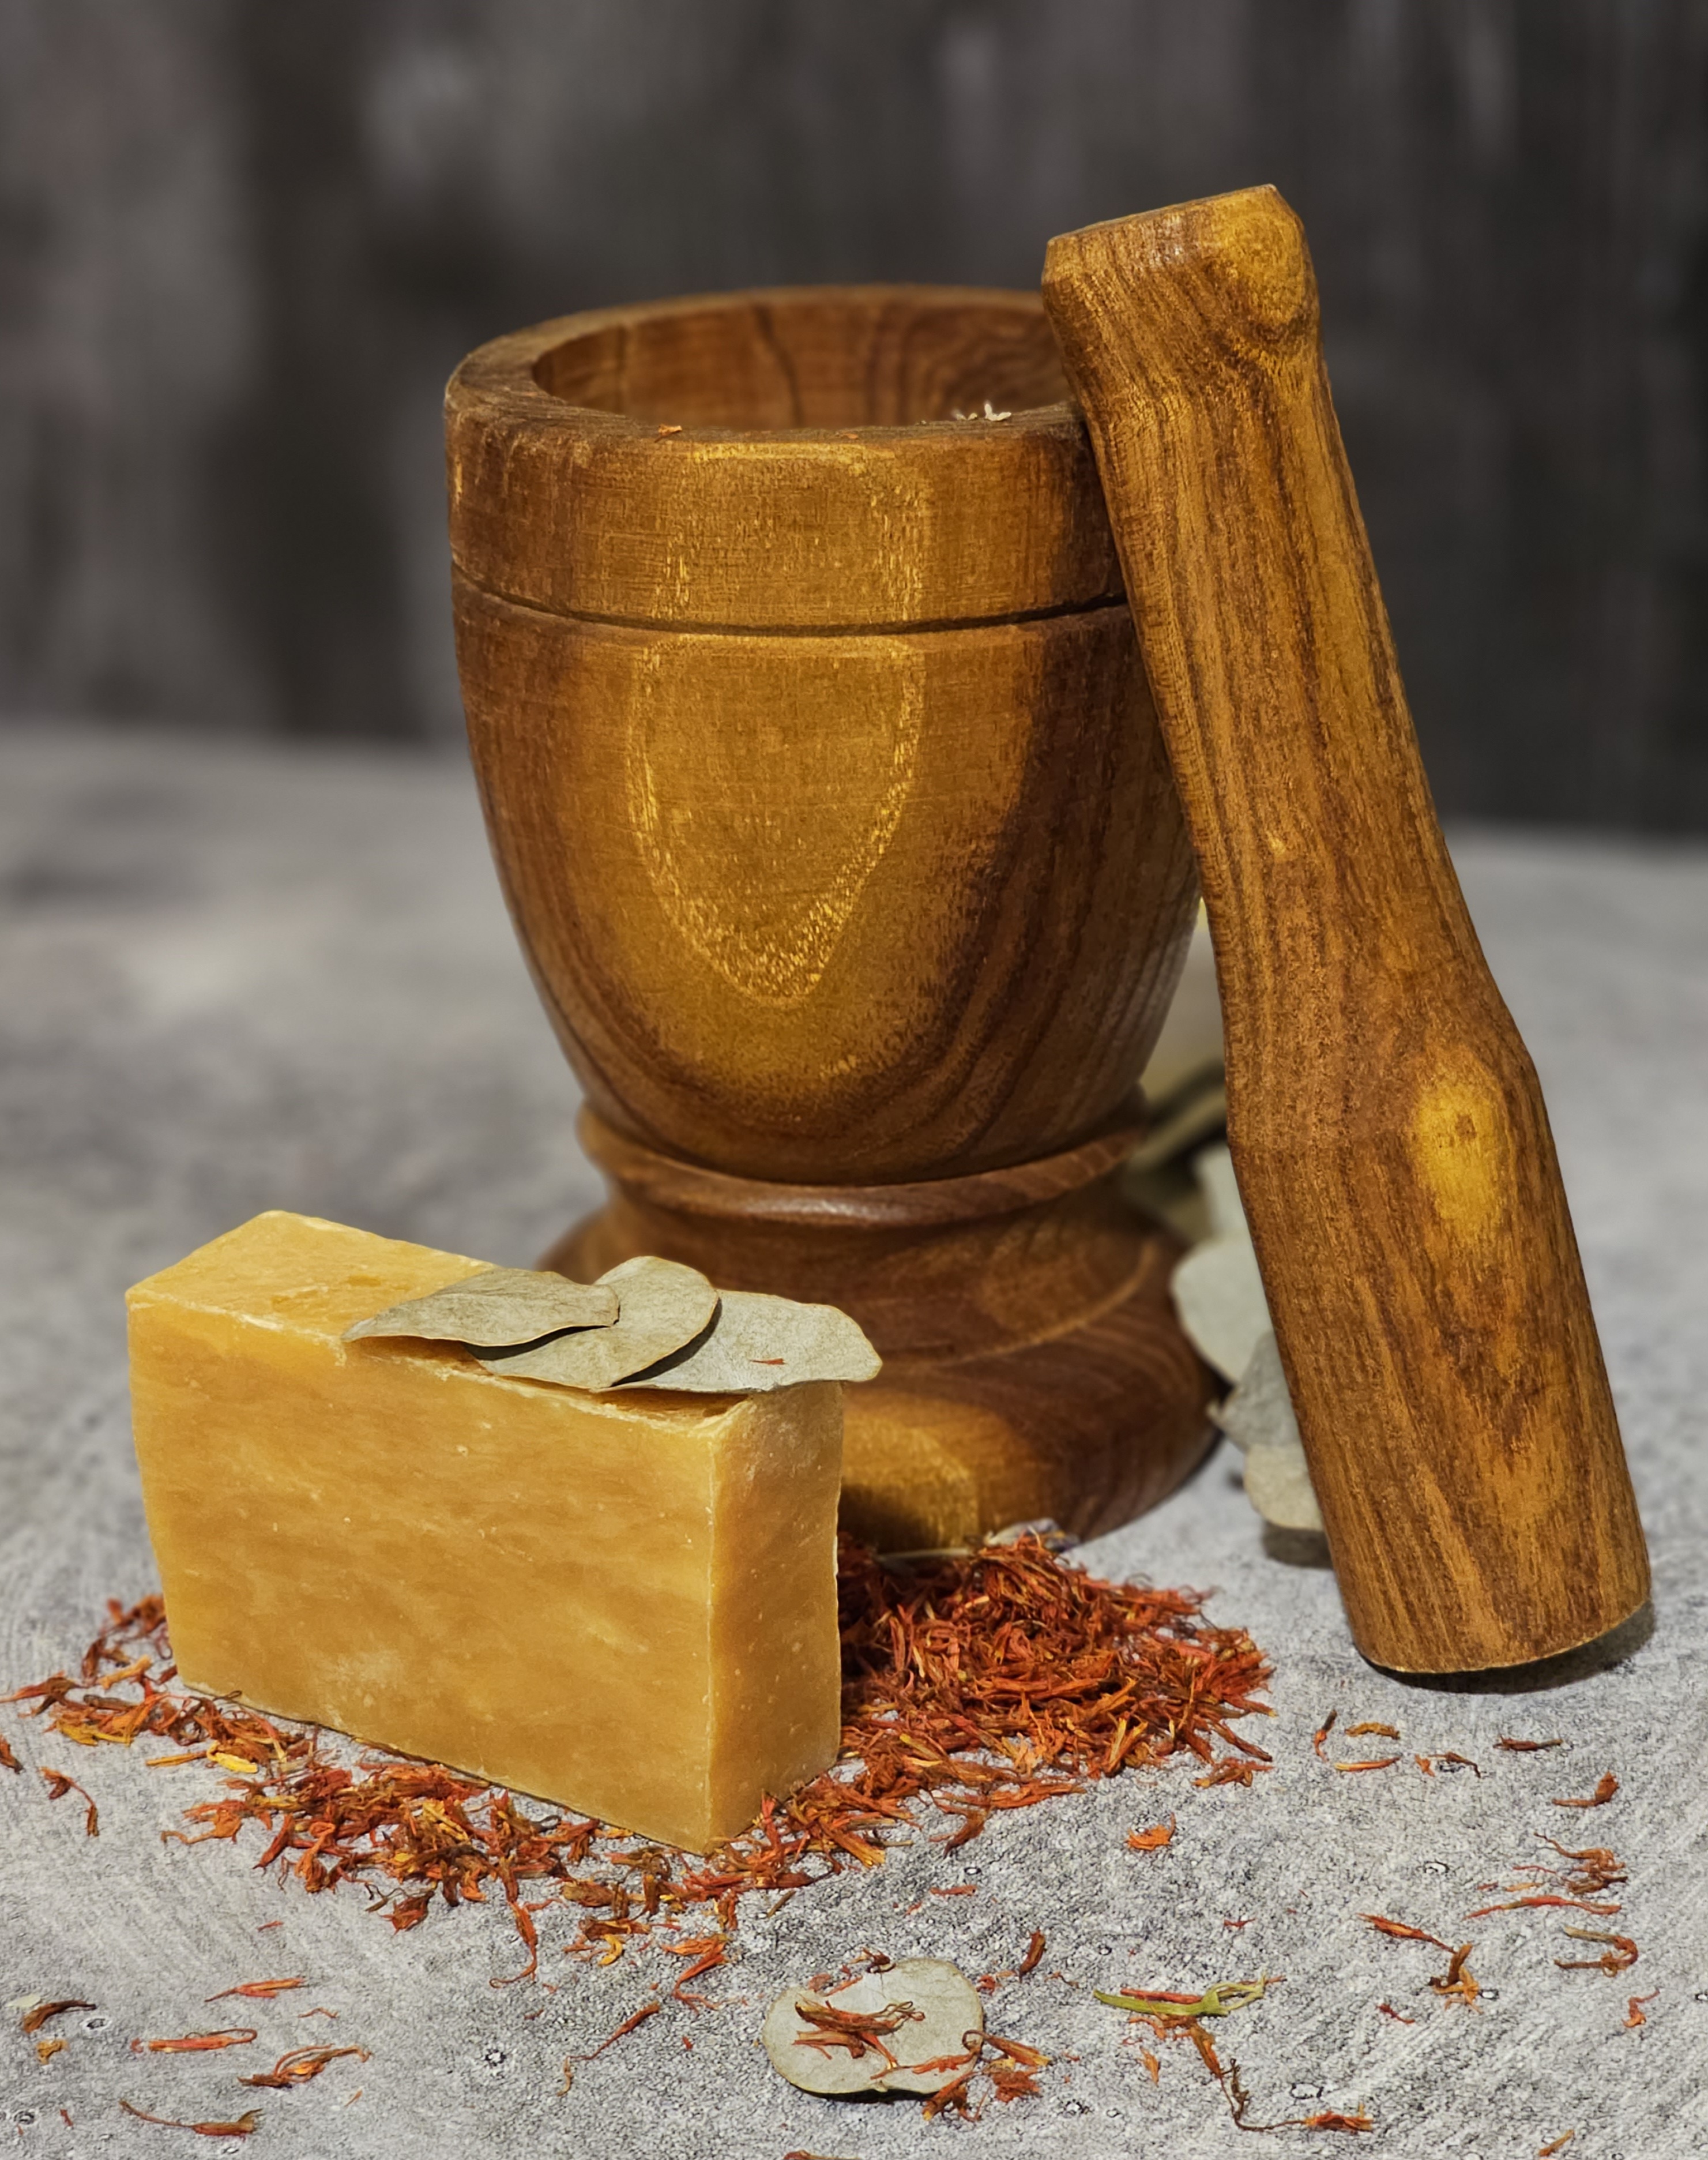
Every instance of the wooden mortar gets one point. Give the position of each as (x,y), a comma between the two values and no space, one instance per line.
(824,784)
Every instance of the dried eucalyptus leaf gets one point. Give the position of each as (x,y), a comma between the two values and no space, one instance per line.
(663,1306)
(760,1342)
(1258,1418)
(650,1323)
(1213,1168)
(1277,1485)
(933,2014)
(1259,1412)
(1218,1294)
(498,1306)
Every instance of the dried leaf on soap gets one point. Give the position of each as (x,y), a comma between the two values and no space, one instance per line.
(662,1307)
(495,1307)
(759,1342)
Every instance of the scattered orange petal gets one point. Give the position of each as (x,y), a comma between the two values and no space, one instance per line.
(298,2066)
(33,2020)
(244,2126)
(258,1991)
(197,2043)
(1604,1791)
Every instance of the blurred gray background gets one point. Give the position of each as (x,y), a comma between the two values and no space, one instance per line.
(241,246)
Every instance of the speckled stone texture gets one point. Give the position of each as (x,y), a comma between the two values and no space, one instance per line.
(237,978)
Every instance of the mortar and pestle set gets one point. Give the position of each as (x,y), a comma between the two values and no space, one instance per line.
(855,723)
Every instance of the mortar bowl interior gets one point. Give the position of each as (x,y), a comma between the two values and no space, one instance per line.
(841,357)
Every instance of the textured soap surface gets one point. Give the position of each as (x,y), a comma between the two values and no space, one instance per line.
(623,1603)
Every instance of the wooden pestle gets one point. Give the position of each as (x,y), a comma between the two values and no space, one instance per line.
(1387,1128)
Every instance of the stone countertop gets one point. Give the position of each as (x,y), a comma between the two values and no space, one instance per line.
(237,977)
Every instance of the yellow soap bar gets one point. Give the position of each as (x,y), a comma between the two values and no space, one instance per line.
(624,1603)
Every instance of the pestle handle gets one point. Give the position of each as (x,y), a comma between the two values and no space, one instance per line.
(1385,1121)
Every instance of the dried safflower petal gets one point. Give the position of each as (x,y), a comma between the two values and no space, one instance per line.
(242,2125)
(38,2015)
(1606,1786)
(940,1657)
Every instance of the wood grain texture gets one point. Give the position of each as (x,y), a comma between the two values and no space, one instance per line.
(1391,1142)
(836,908)
(895,897)
(788,460)
(822,777)
(1033,1365)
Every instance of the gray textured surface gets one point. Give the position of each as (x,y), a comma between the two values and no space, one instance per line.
(231,980)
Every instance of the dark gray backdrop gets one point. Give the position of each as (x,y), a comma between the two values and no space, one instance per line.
(242,244)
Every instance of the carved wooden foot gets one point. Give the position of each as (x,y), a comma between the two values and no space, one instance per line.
(1033,1364)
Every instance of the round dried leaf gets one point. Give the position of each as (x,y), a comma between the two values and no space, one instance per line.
(1218,1293)
(1260,1411)
(498,1306)
(1277,1485)
(941,2021)
(761,1343)
(663,1306)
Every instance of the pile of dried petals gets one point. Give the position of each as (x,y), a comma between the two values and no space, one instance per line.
(975,1682)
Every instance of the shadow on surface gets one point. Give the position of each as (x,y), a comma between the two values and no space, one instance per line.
(1582,1663)
(1296,1548)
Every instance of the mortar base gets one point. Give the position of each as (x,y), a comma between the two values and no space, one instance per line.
(1033,1363)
